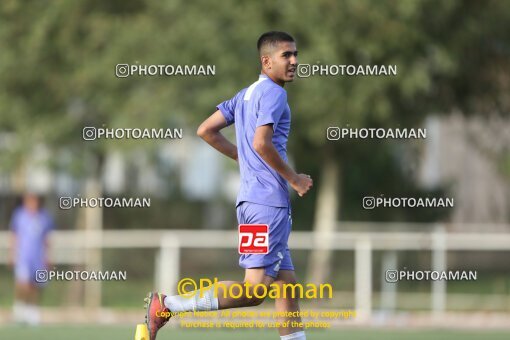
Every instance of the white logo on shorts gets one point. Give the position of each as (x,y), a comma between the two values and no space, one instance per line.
(277,267)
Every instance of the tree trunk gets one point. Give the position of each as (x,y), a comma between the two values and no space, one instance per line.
(319,265)
(93,227)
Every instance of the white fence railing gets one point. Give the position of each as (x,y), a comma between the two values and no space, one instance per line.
(71,247)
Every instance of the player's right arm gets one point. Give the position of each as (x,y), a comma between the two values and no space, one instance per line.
(209,131)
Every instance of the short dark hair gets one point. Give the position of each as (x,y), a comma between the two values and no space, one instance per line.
(272,39)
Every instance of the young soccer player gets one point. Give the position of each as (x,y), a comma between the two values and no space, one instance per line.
(30,228)
(261,117)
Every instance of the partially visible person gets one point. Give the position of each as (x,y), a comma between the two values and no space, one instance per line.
(30,226)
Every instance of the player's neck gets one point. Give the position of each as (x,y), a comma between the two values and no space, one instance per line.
(279,82)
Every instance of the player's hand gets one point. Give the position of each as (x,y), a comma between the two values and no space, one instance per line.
(10,261)
(301,183)
(47,263)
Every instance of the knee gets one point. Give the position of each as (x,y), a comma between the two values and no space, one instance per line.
(255,295)
(254,301)
(289,290)
(286,283)
(291,282)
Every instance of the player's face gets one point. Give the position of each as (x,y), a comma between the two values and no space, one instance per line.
(31,202)
(283,63)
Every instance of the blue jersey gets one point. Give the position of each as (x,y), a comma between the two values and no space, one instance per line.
(263,103)
(31,229)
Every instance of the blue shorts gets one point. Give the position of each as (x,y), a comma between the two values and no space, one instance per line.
(25,270)
(280,223)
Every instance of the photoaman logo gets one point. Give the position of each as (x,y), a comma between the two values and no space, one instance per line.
(253,239)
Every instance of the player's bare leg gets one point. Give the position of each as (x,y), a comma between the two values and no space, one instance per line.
(21,301)
(225,295)
(252,278)
(288,304)
(33,294)
(160,307)
(22,291)
(25,307)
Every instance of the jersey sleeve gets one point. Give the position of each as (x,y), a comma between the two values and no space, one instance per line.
(227,108)
(271,107)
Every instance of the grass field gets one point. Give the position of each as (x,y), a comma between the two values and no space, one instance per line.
(127,332)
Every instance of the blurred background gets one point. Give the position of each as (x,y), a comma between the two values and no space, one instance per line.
(57,76)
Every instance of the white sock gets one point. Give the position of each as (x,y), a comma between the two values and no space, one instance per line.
(17,310)
(179,303)
(296,336)
(33,315)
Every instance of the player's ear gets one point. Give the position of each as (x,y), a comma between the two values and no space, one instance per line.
(265,60)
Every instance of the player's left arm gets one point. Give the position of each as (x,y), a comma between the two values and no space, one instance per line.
(13,244)
(263,145)
(271,108)
(13,240)
(209,131)
(47,261)
(50,226)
